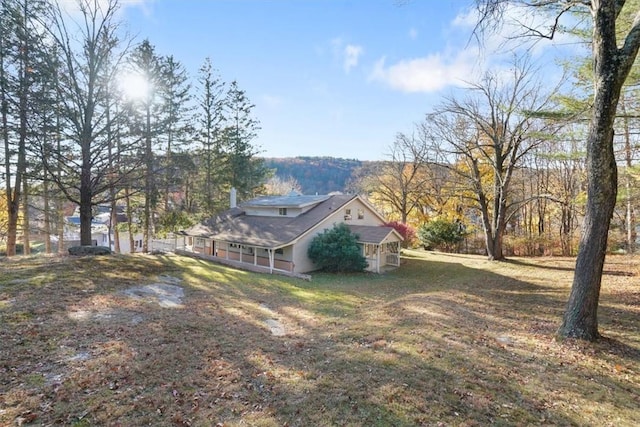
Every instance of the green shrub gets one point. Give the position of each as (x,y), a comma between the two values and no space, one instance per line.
(441,234)
(337,250)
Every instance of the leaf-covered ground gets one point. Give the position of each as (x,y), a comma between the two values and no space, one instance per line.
(445,340)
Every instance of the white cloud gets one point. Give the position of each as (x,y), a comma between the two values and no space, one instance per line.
(413,33)
(463,62)
(347,54)
(351,56)
(429,74)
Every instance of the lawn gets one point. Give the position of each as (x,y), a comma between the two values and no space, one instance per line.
(445,340)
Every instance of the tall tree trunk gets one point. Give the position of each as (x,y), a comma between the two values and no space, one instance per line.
(86,194)
(127,198)
(46,197)
(611,68)
(148,186)
(629,211)
(60,223)
(60,199)
(26,233)
(12,208)
(630,214)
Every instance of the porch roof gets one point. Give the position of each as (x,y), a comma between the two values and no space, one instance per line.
(375,234)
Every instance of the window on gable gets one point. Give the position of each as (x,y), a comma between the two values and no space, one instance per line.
(347,214)
(360,213)
(282,211)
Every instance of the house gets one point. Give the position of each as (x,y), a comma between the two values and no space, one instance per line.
(273,233)
(103,231)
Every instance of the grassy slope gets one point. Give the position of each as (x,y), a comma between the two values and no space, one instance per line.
(447,339)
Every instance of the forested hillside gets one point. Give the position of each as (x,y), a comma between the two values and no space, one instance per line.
(320,175)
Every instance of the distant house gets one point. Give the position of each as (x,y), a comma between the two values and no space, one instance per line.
(103,231)
(273,233)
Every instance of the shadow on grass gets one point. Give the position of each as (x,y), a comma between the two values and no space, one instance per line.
(539,264)
(434,342)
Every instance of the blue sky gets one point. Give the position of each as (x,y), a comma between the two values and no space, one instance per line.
(328,77)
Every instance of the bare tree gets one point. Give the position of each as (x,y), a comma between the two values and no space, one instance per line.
(613,56)
(82,85)
(280,186)
(400,181)
(484,137)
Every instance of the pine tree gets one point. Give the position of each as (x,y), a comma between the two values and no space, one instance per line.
(209,122)
(148,124)
(247,172)
(175,97)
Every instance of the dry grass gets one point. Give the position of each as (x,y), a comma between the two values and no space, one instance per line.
(445,340)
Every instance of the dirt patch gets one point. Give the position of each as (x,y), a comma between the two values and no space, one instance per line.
(166,293)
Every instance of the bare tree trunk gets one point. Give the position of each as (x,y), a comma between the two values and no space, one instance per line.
(86,195)
(127,199)
(12,206)
(60,199)
(148,179)
(611,67)
(60,223)
(46,215)
(630,214)
(26,233)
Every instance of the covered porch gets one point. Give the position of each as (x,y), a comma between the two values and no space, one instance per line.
(380,246)
(255,258)
(381,256)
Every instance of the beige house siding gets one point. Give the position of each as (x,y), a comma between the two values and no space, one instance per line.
(263,236)
(287,212)
(302,263)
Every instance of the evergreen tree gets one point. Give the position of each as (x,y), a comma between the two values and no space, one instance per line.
(175,97)
(247,172)
(209,123)
(147,124)
(21,39)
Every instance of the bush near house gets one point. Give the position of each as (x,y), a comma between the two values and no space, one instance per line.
(441,234)
(336,250)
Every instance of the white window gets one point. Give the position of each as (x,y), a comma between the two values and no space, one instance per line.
(360,213)
(282,211)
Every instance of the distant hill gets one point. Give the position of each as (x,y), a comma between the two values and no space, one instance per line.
(321,175)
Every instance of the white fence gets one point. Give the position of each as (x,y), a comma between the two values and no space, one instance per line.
(163,245)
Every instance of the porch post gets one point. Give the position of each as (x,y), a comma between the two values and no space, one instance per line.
(378,258)
(255,255)
(271,252)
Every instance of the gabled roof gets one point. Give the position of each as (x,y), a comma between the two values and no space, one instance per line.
(373,234)
(235,226)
